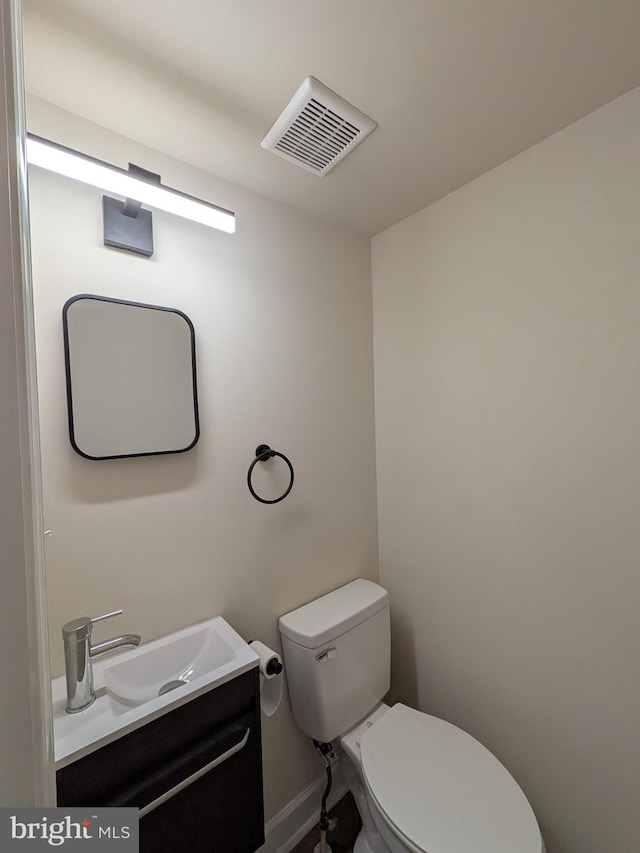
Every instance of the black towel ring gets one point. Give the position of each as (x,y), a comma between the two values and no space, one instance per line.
(264,453)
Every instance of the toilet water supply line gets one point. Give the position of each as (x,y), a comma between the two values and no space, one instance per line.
(324,750)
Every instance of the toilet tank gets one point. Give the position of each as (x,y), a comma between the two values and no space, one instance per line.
(337,658)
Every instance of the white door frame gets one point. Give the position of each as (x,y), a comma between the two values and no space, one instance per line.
(26,740)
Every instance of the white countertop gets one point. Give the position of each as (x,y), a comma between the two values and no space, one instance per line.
(79,734)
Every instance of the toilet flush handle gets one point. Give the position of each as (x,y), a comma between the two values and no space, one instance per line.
(326,655)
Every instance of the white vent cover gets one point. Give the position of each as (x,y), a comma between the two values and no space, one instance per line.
(317,128)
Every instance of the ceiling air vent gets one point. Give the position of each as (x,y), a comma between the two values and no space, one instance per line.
(317,128)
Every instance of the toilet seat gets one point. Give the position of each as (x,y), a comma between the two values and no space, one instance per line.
(438,789)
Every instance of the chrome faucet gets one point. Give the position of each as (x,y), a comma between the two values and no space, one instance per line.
(78,651)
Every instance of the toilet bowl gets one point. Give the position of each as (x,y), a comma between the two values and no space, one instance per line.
(421,784)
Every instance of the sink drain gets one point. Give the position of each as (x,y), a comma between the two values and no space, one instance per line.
(171,685)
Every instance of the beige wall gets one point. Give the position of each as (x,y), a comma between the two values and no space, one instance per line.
(507,361)
(282,312)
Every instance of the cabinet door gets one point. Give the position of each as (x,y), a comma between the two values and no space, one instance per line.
(100,778)
(216,813)
(199,766)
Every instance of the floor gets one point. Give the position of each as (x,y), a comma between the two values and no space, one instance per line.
(342,838)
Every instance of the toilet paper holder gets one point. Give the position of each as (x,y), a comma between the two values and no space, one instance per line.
(270,670)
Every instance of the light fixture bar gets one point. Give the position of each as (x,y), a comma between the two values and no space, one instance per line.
(65,161)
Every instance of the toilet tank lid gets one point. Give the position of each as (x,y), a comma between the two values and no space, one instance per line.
(316,623)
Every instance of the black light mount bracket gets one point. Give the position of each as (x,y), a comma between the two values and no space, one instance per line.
(126,224)
(144,174)
(131,207)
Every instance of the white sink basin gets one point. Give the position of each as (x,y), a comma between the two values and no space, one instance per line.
(167,664)
(140,685)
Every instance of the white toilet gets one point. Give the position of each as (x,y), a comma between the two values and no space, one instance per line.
(421,784)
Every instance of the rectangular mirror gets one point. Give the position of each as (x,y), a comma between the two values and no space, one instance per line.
(131,378)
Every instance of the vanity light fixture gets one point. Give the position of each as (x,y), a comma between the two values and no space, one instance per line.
(136,185)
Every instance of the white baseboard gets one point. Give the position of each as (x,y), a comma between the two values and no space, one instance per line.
(292,823)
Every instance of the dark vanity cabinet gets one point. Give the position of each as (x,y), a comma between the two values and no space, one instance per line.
(195,774)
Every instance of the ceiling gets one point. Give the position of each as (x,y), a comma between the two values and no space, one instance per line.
(456,86)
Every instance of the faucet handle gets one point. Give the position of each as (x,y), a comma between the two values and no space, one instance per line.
(79,629)
(106,616)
